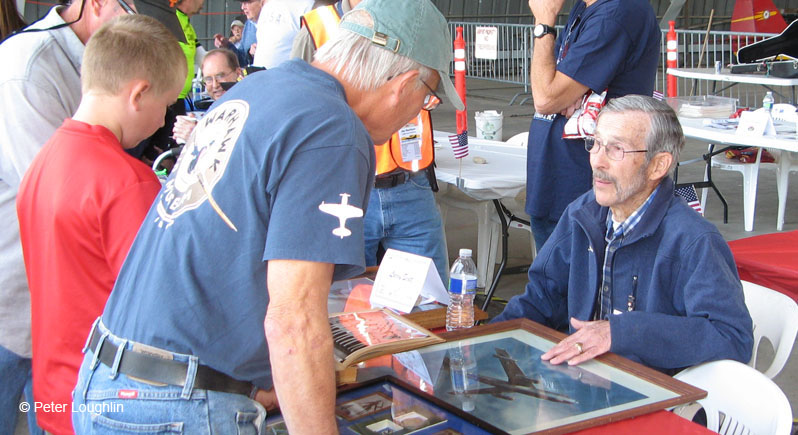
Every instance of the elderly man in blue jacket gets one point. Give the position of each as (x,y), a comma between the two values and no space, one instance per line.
(632,269)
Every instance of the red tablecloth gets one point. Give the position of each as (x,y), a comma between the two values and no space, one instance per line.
(656,423)
(770,260)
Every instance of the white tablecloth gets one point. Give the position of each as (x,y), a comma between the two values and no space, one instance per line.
(502,176)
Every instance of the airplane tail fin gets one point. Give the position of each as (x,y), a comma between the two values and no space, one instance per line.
(761,16)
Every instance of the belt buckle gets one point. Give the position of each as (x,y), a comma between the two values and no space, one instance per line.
(399,178)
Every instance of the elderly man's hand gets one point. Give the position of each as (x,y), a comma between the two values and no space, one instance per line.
(545,11)
(184,125)
(219,40)
(590,340)
(267,398)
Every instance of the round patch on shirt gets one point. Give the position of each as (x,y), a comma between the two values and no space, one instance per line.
(202,163)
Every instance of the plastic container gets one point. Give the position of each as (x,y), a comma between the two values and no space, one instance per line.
(703,106)
(489,124)
(462,288)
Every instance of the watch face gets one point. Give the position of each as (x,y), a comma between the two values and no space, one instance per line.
(538,31)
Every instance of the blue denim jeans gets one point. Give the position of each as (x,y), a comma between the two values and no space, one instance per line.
(15,379)
(108,402)
(405,218)
(541,230)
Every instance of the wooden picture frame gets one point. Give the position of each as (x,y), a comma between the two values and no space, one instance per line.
(494,372)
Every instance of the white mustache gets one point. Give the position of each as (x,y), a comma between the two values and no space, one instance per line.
(603,176)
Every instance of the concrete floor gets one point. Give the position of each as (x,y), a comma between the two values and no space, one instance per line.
(461,227)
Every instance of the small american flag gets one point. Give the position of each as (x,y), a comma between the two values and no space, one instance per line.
(689,194)
(459,144)
(658,95)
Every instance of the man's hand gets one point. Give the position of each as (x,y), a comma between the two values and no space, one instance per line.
(267,398)
(184,125)
(545,11)
(568,111)
(590,340)
(252,49)
(219,41)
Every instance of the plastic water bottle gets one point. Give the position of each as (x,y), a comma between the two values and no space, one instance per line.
(767,102)
(196,89)
(462,287)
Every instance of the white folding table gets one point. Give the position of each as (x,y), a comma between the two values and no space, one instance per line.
(786,140)
(501,176)
(730,79)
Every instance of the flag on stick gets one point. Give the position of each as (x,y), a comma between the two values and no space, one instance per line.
(690,195)
(459,144)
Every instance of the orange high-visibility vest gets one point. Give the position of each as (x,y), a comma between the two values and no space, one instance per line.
(412,147)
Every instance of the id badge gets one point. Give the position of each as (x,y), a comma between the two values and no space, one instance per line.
(410,142)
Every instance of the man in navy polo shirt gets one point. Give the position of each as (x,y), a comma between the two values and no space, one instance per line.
(608,45)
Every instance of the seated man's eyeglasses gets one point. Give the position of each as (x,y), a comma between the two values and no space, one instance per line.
(612,150)
(219,78)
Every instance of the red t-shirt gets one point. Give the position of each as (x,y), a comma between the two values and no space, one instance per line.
(80,205)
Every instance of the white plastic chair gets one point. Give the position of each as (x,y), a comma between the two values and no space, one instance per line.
(749,401)
(519,139)
(750,171)
(786,113)
(775,317)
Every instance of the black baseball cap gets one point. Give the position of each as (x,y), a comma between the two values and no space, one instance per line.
(164,12)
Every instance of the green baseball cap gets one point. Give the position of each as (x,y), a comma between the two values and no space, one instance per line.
(412,28)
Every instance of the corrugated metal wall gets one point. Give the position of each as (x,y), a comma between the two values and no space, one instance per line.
(217,14)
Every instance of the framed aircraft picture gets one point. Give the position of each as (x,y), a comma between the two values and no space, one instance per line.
(494,373)
(387,405)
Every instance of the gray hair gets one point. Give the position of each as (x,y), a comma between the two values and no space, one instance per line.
(363,64)
(664,133)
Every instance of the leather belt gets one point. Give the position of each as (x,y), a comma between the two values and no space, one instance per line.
(391,180)
(154,369)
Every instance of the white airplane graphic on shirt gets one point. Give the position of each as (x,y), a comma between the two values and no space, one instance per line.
(342,211)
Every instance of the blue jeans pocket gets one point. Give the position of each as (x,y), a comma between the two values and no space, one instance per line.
(105,425)
(248,423)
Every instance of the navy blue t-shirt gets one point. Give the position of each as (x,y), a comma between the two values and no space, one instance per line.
(613,45)
(255,182)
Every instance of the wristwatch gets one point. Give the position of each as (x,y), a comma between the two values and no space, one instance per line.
(542,30)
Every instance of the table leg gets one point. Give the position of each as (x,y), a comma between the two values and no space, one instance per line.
(505,240)
(782,184)
(707,183)
(749,192)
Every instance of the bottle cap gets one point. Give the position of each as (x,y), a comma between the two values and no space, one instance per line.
(465,252)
